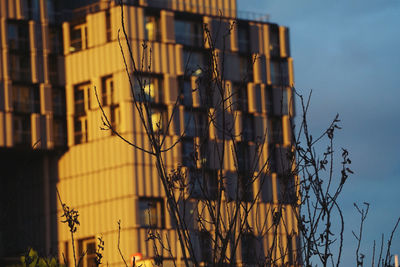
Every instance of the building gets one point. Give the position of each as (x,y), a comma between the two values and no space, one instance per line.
(52,56)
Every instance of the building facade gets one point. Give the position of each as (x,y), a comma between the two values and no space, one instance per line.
(52,65)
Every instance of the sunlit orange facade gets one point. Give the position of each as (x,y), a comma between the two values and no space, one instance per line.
(51,123)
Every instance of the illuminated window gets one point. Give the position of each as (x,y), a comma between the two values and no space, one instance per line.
(150,89)
(151,212)
(152,28)
(78,37)
(193,62)
(87,247)
(159,119)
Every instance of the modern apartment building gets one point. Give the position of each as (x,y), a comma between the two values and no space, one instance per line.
(52,58)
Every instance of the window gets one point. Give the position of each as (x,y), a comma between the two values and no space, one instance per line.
(193,62)
(249,248)
(152,28)
(279,72)
(186,89)
(205,246)
(188,153)
(18,36)
(276,130)
(286,188)
(196,123)
(22,130)
(274,40)
(269,100)
(243,37)
(20,67)
(58,96)
(33,9)
(248,127)
(151,212)
(159,119)
(203,183)
(59,132)
(189,33)
(108,94)
(52,61)
(246,67)
(151,91)
(87,247)
(82,105)
(239,97)
(108,26)
(55,40)
(78,37)
(26,99)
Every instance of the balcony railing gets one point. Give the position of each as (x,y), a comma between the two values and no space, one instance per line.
(179,5)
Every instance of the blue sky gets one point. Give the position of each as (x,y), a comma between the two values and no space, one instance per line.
(348,53)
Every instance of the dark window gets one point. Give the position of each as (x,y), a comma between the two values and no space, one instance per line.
(20,67)
(59,131)
(82,105)
(189,33)
(274,40)
(249,255)
(53,68)
(151,212)
(276,130)
(205,243)
(239,97)
(243,37)
(87,247)
(55,39)
(248,127)
(108,26)
(58,95)
(279,72)
(188,153)
(18,36)
(186,89)
(203,183)
(26,99)
(246,67)
(196,123)
(22,130)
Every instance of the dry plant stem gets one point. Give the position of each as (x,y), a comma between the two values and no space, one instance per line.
(388,255)
(119,239)
(363,213)
(71,230)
